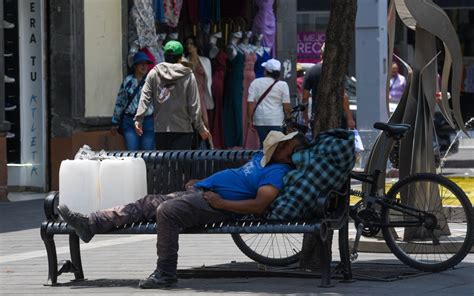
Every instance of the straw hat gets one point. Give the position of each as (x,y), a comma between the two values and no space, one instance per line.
(271,143)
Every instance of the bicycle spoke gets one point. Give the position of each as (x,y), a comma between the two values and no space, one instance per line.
(426,245)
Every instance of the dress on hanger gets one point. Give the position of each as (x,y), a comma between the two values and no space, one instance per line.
(215,116)
(159,11)
(142,24)
(232,120)
(172,9)
(250,138)
(264,22)
(259,70)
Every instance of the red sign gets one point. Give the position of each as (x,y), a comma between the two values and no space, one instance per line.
(309,46)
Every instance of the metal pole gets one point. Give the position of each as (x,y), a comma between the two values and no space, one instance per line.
(371,67)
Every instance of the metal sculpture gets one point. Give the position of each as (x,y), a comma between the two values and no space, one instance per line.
(417,105)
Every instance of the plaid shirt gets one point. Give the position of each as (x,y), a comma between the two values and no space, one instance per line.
(322,167)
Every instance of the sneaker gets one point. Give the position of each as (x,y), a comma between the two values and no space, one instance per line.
(10,135)
(78,221)
(159,280)
(9,79)
(9,107)
(8,25)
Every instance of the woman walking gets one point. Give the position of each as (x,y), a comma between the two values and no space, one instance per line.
(268,101)
(126,106)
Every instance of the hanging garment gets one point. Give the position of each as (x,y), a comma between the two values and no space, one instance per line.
(205,10)
(172,10)
(233,9)
(215,116)
(233,101)
(159,11)
(259,70)
(264,22)
(250,137)
(193,11)
(216,11)
(142,24)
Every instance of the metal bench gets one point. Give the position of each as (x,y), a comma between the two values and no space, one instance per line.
(168,171)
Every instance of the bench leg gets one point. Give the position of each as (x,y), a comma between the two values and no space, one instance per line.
(48,240)
(325,254)
(75,251)
(344,253)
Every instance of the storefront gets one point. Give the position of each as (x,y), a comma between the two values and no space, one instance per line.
(92,42)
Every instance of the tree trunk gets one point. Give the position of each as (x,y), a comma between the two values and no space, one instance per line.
(339,38)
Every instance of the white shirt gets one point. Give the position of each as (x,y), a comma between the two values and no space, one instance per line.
(270,110)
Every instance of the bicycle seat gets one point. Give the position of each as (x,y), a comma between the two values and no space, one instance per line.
(396,131)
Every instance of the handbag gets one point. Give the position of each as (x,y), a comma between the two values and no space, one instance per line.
(130,99)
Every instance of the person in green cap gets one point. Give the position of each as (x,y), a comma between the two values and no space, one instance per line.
(172,88)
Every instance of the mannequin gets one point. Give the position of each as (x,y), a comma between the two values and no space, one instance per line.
(214,50)
(232,118)
(263,55)
(250,137)
(245,45)
(232,48)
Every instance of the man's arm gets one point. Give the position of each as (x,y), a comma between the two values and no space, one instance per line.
(146,97)
(265,196)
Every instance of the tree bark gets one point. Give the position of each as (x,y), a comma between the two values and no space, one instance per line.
(339,38)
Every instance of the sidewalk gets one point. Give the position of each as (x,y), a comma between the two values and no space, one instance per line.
(464,158)
(113,265)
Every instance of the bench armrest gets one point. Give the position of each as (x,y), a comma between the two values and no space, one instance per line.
(51,202)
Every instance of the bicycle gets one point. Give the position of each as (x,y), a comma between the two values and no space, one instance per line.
(421,229)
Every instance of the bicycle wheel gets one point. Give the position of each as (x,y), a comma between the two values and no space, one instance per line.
(277,249)
(445,235)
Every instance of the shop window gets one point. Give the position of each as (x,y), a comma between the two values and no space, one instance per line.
(311,28)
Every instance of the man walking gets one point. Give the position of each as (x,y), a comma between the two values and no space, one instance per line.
(311,83)
(249,189)
(173,90)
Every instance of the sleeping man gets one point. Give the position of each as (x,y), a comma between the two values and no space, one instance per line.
(249,189)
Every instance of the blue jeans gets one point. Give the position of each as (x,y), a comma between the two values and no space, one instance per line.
(135,142)
(263,130)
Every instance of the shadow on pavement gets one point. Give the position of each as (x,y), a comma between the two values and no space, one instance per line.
(21,215)
(248,277)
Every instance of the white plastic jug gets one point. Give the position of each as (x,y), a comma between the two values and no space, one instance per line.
(79,185)
(122,181)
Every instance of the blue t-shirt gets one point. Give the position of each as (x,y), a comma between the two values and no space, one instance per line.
(243,183)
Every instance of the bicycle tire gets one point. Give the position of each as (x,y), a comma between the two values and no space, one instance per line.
(450,241)
(270,254)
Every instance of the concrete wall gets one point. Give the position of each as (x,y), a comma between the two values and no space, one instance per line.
(102,55)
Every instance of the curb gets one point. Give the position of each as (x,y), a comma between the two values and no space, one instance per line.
(459,164)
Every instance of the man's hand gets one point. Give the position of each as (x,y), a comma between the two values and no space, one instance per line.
(138,128)
(205,134)
(190,184)
(214,199)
